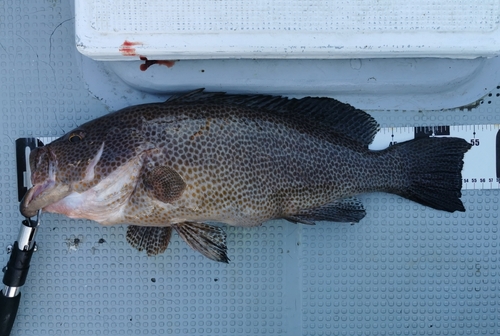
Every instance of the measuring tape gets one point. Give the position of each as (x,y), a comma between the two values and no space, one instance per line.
(481,163)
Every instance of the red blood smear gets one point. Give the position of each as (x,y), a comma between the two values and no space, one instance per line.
(127,48)
(148,63)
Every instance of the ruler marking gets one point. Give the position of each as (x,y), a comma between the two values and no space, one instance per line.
(481,163)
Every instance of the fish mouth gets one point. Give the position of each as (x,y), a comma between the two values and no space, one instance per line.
(45,193)
(35,199)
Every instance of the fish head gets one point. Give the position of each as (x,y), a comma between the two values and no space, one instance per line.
(78,161)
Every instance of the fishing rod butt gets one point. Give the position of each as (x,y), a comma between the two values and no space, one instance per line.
(8,312)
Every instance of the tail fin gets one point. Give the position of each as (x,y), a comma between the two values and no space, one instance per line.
(434,172)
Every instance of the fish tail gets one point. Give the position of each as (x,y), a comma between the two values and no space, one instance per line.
(432,171)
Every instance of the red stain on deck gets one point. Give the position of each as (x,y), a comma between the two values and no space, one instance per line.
(127,48)
(148,63)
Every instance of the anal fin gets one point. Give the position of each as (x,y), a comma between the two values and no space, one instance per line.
(207,239)
(299,220)
(152,239)
(347,210)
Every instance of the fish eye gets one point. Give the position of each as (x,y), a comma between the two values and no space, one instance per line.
(76,137)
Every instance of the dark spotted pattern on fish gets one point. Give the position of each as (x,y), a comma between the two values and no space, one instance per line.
(286,169)
(239,160)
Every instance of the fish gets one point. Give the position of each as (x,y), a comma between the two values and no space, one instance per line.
(202,158)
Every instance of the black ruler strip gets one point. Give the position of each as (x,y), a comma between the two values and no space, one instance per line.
(22,169)
(497,147)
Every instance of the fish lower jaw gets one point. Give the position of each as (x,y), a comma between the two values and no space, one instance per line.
(39,196)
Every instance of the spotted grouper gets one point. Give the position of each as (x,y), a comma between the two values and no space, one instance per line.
(235,159)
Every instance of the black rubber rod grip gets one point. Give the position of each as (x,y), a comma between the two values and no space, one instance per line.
(8,312)
(17,267)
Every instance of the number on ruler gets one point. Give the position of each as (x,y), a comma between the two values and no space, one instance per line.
(474,142)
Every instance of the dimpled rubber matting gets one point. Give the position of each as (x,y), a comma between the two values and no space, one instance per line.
(403,270)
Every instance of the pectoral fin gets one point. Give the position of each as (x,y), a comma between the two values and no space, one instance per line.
(347,210)
(164,184)
(150,238)
(207,239)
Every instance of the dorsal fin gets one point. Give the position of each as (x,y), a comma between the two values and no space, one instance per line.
(328,112)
